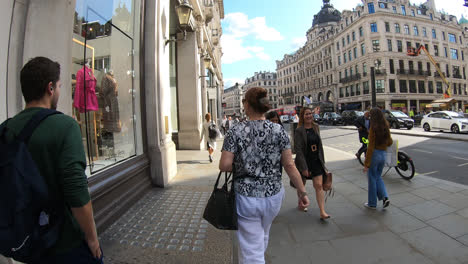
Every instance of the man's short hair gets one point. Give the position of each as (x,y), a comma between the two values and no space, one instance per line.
(36,75)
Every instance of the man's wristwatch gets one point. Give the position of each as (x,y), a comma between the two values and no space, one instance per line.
(301,194)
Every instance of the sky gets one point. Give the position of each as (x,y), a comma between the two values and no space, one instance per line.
(256,33)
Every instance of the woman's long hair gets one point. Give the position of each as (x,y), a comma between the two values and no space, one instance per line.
(379,125)
(301,118)
(272,114)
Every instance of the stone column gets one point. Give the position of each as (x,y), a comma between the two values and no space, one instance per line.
(417,107)
(189,94)
(388,104)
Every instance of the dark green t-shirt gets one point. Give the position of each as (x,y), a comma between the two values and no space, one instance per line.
(57,149)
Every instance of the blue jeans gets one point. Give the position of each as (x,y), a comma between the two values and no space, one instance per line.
(376,184)
(78,255)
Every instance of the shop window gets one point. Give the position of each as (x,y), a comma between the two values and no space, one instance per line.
(105,80)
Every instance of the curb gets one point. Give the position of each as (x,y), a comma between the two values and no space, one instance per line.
(415,135)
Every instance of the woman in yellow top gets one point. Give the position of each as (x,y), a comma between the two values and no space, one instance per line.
(379,140)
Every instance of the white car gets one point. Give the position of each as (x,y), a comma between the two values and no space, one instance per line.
(445,120)
(284,118)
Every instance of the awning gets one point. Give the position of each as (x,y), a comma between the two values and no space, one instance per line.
(435,105)
(445,100)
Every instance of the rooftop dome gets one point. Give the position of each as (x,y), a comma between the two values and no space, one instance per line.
(327,14)
(463,20)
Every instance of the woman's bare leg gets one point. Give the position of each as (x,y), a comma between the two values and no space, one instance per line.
(320,195)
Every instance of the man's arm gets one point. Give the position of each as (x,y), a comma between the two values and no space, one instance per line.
(84,217)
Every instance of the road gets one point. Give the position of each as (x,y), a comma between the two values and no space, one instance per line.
(438,158)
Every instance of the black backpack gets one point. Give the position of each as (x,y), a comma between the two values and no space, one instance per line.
(30,221)
(212,131)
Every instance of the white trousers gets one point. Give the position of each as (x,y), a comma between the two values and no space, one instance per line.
(255,216)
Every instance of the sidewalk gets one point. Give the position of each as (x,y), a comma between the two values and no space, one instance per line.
(426,222)
(419,132)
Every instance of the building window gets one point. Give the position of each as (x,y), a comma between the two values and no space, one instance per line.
(339,60)
(431,17)
(350,56)
(400,45)
(392,66)
(389,44)
(436,50)
(421,87)
(439,87)
(392,85)
(403,10)
(344,57)
(452,38)
(397,28)
(394,9)
(434,35)
(403,86)
(341,92)
(424,32)
(407,30)
(353,92)
(413,13)
(445,52)
(355,52)
(430,87)
(387,27)
(343,42)
(416,31)
(354,36)
(376,45)
(111,127)
(363,49)
(412,86)
(443,35)
(380,86)
(373,27)
(364,69)
(338,45)
(454,54)
(365,88)
(370,6)
(358,89)
(347,39)
(361,32)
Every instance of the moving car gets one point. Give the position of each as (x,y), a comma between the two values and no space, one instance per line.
(332,118)
(318,119)
(398,119)
(445,121)
(349,116)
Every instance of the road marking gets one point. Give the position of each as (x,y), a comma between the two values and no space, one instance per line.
(429,173)
(459,158)
(464,164)
(424,151)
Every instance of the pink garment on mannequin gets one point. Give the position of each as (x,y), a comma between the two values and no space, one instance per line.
(79,100)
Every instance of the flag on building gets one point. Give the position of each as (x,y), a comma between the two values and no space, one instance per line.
(307,99)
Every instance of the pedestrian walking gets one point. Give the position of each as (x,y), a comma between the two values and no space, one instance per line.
(210,134)
(223,125)
(56,148)
(379,140)
(310,158)
(255,150)
(363,125)
(273,117)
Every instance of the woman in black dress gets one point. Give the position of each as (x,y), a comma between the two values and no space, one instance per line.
(310,159)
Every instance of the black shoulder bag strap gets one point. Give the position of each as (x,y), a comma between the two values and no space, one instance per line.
(29,128)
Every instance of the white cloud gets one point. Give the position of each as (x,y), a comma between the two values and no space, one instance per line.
(237,27)
(297,43)
(229,82)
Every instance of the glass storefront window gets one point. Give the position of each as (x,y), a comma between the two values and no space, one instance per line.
(105,82)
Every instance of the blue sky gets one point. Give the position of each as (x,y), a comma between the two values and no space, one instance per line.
(256,33)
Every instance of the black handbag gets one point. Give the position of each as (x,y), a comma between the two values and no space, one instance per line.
(220,211)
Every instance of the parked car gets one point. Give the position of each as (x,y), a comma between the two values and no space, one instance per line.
(332,118)
(398,119)
(285,119)
(445,121)
(349,116)
(318,119)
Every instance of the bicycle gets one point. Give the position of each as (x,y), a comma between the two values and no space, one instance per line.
(405,165)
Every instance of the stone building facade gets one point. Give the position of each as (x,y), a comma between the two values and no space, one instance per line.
(265,80)
(232,101)
(334,64)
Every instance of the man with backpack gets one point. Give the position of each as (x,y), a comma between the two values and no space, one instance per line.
(61,227)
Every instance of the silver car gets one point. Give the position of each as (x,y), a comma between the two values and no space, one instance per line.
(445,121)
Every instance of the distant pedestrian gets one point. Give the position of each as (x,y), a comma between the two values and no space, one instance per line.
(56,147)
(223,125)
(363,125)
(379,140)
(209,133)
(310,158)
(273,117)
(228,124)
(255,150)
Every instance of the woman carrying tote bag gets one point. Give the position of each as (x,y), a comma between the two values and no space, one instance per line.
(257,148)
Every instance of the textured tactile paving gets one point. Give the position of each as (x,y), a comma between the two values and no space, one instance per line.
(170,219)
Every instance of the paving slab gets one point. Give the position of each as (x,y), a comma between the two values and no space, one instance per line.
(398,221)
(437,246)
(452,224)
(428,210)
(405,199)
(455,200)
(463,212)
(430,192)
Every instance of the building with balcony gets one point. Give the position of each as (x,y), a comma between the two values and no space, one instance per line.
(164,74)
(232,101)
(265,80)
(335,63)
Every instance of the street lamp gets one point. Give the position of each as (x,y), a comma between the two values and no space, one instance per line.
(373,92)
(206,63)
(184,12)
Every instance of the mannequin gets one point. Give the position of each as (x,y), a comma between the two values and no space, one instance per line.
(85,92)
(110,110)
